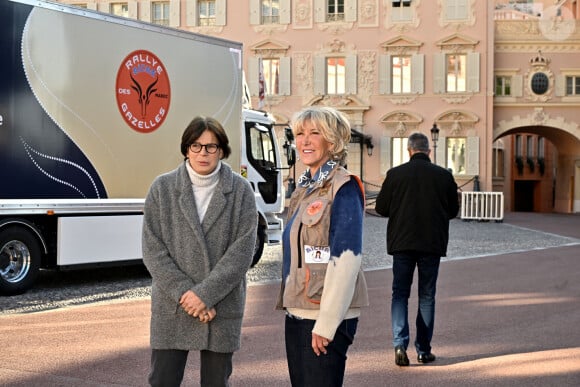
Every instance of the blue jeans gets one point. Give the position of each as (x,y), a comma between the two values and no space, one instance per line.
(305,368)
(403,270)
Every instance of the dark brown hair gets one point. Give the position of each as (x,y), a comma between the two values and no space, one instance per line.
(196,128)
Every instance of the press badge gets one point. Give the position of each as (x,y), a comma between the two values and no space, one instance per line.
(316,254)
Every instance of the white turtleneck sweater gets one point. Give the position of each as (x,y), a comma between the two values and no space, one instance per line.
(203,187)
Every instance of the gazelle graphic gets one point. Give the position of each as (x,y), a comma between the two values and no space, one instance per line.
(144,97)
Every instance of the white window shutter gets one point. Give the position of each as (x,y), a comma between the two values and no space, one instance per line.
(472,156)
(517,87)
(384,74)
(351,74)
(255,13)
(253,74)
(174,13)
(560,90)
(132,6)
(385,156)
(285,11)
(319,75)
(104,6)
(473,72)
(439,73)
(220,12)
(350,10)
(191,11)
(441,152)
(319,11)
(284,87)
(418,73)
(145,11)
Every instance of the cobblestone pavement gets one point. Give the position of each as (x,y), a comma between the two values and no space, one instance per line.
(468,239)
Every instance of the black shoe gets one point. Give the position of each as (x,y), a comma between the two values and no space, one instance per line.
(401,358)
(425,357)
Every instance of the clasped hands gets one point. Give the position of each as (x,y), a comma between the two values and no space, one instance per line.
(195,307)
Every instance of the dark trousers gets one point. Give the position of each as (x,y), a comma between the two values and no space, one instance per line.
(403,268)
(168,366)
(305,368)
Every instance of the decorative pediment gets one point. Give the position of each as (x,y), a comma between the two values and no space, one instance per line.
(455,121)
(401,122)
(270,46)
(457,42)
(339,101)
(349,104)
(337,46)
(401,45)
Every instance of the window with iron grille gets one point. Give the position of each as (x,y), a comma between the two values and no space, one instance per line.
(335,10)
(160,12)
(206,12)
(270,11)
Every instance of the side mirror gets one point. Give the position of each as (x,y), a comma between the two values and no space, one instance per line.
(290,153)
(288,134)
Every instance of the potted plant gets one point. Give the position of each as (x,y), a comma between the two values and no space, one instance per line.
(531,164)
(520,164)
(541,165)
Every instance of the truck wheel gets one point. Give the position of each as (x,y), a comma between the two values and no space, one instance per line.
(19,260)
(259,249)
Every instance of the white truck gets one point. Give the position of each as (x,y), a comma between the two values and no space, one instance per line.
(92,108)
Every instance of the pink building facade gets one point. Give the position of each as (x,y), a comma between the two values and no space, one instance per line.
(395,67)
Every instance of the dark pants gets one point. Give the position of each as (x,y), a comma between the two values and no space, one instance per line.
(168,366)
(403,269)
(305,368)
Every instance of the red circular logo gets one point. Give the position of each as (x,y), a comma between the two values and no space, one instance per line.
(143,92)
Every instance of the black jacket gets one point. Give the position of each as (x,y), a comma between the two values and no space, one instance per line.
(419,198)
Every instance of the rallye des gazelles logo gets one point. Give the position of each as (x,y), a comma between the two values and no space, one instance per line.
(143,92)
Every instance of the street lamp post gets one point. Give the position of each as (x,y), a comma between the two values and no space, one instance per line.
(434,138)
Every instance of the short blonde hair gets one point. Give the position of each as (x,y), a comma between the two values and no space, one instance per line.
(333,126)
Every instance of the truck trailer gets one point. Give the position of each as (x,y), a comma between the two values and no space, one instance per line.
(92,108)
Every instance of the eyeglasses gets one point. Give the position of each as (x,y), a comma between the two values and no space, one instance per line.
(209,148)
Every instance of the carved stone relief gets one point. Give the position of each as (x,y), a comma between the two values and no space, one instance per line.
(401,122)
(302,14)
(303,76)
(366,73)
(368,13)
(539,65)
(336,28)
(456,122)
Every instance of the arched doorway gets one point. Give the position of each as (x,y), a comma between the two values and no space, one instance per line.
(557,187)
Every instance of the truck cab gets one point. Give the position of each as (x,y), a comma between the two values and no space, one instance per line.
(261,165)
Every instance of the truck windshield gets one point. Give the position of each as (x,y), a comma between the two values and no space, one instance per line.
(262,158)
(262,147)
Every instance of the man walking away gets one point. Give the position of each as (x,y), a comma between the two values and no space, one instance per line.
(419,198)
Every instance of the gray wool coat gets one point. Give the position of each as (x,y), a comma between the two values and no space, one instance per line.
(210,258)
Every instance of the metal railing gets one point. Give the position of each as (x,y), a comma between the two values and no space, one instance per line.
(482,206)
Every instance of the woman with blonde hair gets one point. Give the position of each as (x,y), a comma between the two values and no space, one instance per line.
(323,286)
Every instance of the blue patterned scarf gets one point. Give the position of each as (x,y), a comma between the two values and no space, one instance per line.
(306,180)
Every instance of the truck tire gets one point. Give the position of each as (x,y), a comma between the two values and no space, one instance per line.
(259,249)
(19,260)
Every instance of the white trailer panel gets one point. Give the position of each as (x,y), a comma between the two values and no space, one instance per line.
(97,239)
